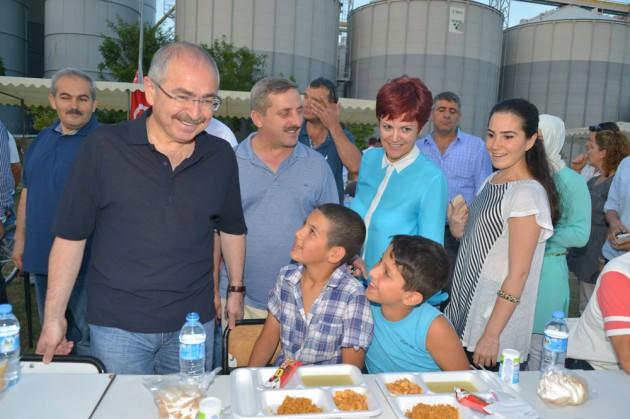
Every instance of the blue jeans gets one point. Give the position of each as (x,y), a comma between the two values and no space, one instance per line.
(125,352)
(76,313)
(218,345)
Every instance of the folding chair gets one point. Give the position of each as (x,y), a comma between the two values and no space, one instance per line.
(70,364)
(239,342)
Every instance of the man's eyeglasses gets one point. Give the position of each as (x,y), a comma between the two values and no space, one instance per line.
(212,102)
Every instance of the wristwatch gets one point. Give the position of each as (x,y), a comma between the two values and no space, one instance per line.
(236,288)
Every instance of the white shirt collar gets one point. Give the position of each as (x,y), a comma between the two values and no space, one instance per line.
(60,130)
(401,164)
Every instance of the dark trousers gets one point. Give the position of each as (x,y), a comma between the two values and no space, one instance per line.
(451,245)
(3,292)
(577,364)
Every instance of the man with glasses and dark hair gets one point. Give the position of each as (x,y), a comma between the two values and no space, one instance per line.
(580,163)
(150,193)
(323,132)
(47,165)
(462,157)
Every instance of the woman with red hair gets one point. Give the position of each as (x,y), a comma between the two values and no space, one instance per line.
(399,190)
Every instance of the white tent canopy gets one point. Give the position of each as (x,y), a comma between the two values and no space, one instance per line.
(115,95)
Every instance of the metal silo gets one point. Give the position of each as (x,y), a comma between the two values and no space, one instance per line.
(451,45)
(298,37)
(74,30)
(13,37)
(571,63)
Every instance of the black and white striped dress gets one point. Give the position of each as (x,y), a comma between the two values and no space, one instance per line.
(483,263)
(483,229)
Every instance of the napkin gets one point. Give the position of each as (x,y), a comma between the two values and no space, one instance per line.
(510,407)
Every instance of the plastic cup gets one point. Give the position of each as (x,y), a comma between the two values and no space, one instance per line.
(510,366)
(210,408)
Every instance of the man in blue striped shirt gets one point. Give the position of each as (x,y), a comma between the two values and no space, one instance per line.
(462,157)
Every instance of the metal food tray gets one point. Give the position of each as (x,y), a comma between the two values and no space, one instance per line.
(250,399)
(484,382)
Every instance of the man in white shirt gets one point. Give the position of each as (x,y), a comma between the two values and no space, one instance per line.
(219,129)
(617,208)
(14,157)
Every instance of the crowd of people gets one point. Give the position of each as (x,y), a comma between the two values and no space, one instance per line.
(452,248)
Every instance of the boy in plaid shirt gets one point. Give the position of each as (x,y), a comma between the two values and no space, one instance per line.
(317,309)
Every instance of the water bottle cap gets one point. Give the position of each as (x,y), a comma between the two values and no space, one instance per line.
(558,315)
(6,309)
(192,316)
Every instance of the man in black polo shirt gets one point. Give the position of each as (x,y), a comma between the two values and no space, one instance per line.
(151,192)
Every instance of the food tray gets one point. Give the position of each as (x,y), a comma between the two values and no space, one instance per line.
(251,399)
(483,381)
(402,404)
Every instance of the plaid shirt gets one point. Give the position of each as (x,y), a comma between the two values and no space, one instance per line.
(339,318)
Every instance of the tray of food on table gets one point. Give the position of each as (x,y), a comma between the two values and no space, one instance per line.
(311,391)
(417,395)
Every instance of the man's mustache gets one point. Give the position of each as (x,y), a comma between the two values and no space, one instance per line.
(74,111)
(187,119)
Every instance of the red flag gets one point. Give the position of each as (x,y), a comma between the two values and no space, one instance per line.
(139,102)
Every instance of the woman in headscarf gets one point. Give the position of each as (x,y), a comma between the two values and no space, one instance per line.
(571,230)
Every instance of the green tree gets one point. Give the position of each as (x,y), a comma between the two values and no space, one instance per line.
(361,133)
(109,116)
(1,67)
(42,116)
(120,52)
(240,68)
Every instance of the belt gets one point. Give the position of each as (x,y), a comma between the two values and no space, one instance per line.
(557,254)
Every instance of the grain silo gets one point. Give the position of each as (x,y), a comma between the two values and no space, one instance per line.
(13,36)
(450,44)
(297,37)
(572,63)
(74,30)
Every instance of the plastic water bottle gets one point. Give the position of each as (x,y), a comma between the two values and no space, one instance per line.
(192,346)
(10,344)
(555,342)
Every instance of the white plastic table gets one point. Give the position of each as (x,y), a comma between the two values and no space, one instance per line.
(609,396)
(75,396)
(68,396)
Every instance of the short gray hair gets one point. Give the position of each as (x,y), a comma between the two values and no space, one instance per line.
(265,87)
(163,56)
(449,97)
(72,72)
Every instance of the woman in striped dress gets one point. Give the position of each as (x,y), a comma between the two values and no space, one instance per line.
(500,258)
